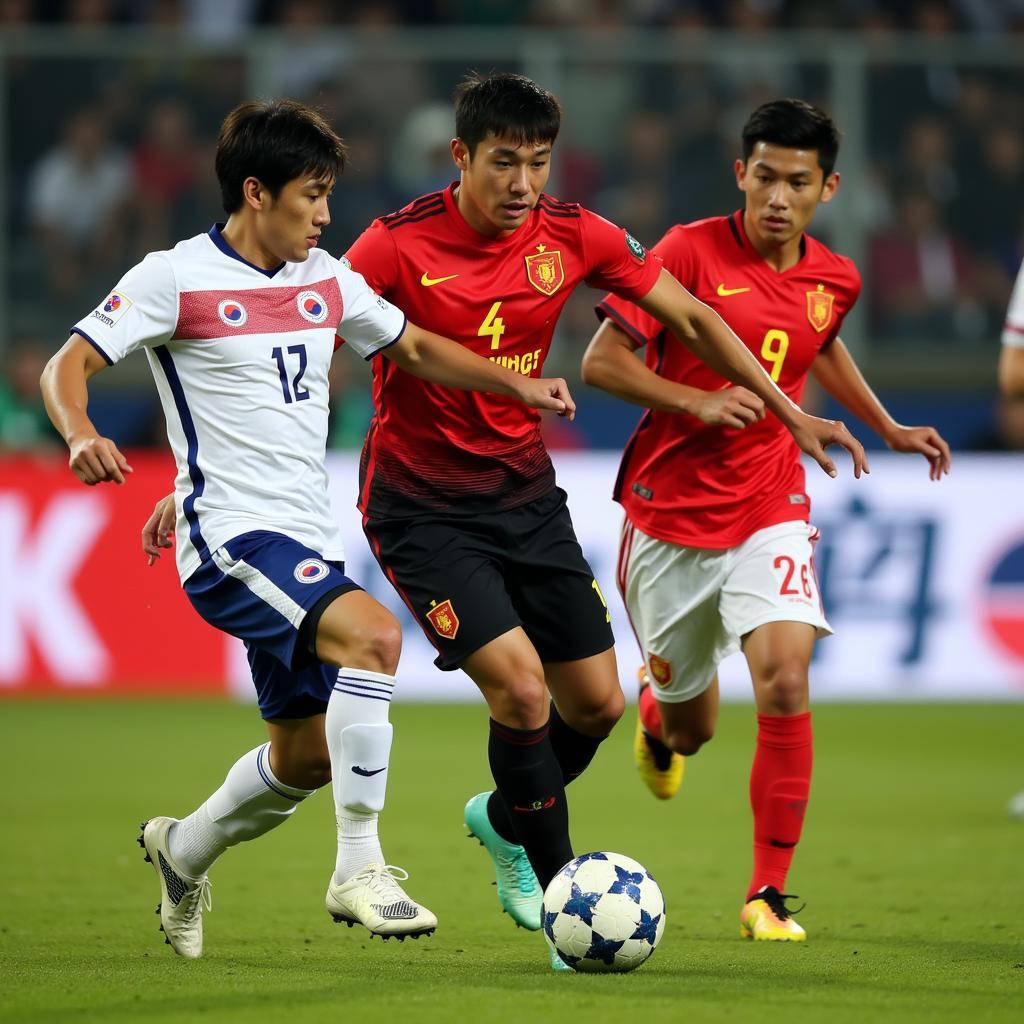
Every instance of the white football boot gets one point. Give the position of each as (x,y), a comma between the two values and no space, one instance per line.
(182,899)
(373,898)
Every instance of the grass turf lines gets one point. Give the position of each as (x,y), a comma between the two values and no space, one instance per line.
(910,867)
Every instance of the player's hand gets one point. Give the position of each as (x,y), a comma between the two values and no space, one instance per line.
(926,440)
(96,460)
(548,393)
(159,529)
(814,435)
(730,407)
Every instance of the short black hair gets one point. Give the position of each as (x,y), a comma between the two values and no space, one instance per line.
(794,124)
(275,141)
(509,105)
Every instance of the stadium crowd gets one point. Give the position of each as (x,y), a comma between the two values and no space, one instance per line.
(107,162)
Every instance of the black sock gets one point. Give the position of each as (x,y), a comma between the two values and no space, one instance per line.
(529,781)
(573,751)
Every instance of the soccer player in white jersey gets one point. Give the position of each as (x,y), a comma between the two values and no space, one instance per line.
(1011,383)
(239,328)
(1011,361)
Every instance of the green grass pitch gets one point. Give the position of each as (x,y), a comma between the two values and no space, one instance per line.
(912,872)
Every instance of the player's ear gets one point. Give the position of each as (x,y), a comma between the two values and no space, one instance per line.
(253,193)
(740,169)
(829,188)
(460,154)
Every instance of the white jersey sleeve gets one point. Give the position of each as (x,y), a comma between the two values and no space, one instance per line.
(369,322)
(1013,328)
(141,312)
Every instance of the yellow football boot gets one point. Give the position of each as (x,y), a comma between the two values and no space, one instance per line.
(660,768)
(764,918)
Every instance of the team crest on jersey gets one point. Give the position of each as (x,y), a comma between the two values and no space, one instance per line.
(443,618)
(544,270)
(312,307)
(311,570)
(635,248)
(232,312)
(113,307)
(661,670)
(819,308)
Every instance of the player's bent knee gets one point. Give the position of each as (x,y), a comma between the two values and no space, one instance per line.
(522,704)
(602,718)
(373,642)
(784,691)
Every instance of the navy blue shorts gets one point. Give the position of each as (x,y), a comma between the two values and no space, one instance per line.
(269,591)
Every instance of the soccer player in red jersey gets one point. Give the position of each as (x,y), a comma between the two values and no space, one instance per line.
(458,494)
(716,551)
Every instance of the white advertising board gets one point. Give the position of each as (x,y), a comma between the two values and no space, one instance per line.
(923,582)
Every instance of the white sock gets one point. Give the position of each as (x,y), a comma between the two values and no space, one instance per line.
(251,801)
(359,740)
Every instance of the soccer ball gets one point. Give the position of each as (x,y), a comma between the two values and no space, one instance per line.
(603,912)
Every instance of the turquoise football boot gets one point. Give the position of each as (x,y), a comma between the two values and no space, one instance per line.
(518,889)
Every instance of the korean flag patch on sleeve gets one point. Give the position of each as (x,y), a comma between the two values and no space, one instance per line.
(112,308)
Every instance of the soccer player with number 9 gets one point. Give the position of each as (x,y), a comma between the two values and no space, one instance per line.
(716,552)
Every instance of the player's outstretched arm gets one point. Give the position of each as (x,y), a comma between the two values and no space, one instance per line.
(609,364)
(708,336)
(834,368)
(1011,372)
(446,362)
(64,384)
(158,531)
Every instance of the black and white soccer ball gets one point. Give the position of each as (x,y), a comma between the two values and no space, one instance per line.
(603,912)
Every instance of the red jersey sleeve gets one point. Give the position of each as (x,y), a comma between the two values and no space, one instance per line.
(615,259)
(851,282)
(374,256)
(676,255)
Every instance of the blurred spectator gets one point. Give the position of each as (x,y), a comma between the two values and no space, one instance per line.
(365,191)
(90,14)
(24,425)
(642,184)
(302,58)
(15,13)
(922,277)
(223,21)
(990,217)
(928,161)
(166,168)
(78,192)
(421,159)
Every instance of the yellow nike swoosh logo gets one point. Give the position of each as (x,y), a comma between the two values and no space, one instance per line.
(724,292)
(429,282)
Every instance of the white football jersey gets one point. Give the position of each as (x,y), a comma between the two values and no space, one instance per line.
(1013,328)
(240,357)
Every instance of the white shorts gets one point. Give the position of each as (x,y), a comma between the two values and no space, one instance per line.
(690,607)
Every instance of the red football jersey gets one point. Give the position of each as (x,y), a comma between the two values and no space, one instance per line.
(712,487)
(432,447)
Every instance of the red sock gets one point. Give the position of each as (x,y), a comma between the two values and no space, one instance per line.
(780,781)
(650,716)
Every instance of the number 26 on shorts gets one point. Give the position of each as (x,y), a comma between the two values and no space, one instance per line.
(789,588)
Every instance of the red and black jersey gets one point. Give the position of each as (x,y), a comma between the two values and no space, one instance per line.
(689,483)
(432,447)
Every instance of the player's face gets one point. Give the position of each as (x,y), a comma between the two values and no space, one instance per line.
(783,188)
(291,223)
(501,182)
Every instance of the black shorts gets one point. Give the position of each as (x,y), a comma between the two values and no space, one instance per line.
(468,580)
